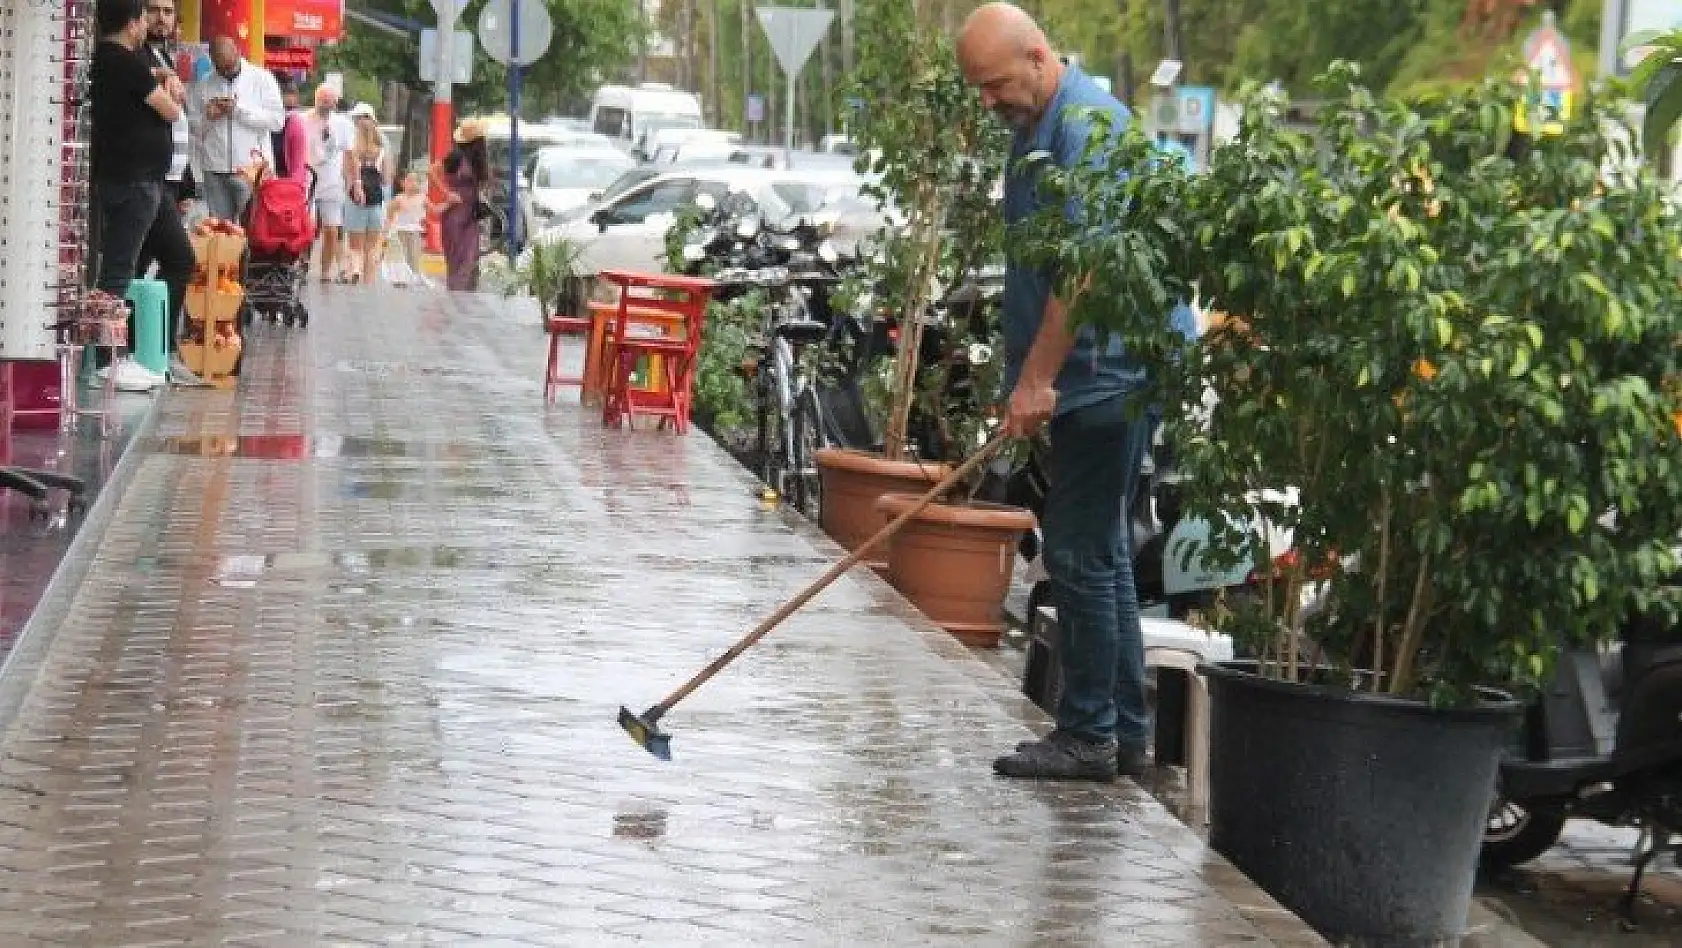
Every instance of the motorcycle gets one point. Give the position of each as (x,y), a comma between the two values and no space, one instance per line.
(1603,743)
(1168,582)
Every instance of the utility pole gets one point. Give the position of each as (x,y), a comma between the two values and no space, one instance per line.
(716,92)
(846,14)
(747,57)
(1171,31)
(826,88)
(642,41)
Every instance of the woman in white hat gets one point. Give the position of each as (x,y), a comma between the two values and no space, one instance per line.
(368,176)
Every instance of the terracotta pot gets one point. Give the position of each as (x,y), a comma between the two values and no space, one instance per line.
(851,483)
(954,563)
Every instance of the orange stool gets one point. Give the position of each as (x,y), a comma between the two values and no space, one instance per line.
(660,318)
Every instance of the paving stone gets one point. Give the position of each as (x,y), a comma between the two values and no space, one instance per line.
(346,665)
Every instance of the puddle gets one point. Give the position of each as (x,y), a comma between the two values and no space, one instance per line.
(290,447)
(644,825)
(244,570)
(397,490)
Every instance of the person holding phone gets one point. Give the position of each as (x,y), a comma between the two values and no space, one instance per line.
(234,111)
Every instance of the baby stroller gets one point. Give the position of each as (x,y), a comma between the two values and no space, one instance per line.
(280,232)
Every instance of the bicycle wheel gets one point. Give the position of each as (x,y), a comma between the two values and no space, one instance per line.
(809,437)
(773,436)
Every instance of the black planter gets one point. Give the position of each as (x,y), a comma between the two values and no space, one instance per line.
(1361,813)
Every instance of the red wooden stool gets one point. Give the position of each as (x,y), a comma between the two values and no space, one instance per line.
(557,326)
(669,313)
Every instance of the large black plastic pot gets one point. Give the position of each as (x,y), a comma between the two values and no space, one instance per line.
(1361,813)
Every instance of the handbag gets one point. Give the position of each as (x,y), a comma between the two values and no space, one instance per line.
(373,185)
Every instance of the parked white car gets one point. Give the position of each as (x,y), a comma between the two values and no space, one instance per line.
(628,232)
(564,177)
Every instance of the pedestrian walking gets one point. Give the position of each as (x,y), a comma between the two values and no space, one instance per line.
(330,135)
(1080,387)
(405,222)
(291,144)
(368,175)
(462,176)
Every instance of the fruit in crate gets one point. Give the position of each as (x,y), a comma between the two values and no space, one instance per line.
(211,226)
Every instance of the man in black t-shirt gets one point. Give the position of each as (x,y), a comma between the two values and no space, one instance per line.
(131,150)
(132,144)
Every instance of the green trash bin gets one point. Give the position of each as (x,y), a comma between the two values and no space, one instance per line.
(151,315)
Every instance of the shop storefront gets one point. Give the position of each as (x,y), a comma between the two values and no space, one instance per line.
(44,131)
(44,193)
(280,34)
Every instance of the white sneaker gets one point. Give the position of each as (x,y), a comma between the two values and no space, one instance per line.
(179,374)
(131,376)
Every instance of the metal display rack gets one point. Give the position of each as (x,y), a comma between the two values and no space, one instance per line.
(44,181)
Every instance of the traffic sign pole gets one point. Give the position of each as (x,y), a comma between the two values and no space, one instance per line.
(793,32)
(515,36)
(512,229)
(443,112)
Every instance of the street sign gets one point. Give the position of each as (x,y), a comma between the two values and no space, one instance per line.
(1547,53)
(1166,72)
(1196,108)
(496,31)
(289,59)
(794,32)
(1165,112)
(461,59)
(756,108)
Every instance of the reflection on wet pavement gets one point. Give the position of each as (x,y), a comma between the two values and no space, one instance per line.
(281,711)
(30,549)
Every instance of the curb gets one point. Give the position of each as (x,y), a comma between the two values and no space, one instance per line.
(23,663)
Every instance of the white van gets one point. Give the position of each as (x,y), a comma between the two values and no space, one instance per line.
(627,114)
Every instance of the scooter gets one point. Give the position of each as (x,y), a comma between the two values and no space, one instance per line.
(1603,743)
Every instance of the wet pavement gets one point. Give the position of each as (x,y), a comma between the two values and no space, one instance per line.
(1570,895)
(30,548)
(344,670)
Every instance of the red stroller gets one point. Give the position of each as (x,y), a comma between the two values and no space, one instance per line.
(280,231)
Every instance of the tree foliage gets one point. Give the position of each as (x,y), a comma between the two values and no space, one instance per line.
(1402,45)
(1460,349)
(592,40)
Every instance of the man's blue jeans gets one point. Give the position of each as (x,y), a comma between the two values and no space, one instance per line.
(1093,467)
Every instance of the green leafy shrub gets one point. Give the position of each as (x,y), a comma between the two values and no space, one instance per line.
(1456,346)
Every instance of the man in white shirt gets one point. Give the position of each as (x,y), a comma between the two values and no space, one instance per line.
(234,111)
(331,134)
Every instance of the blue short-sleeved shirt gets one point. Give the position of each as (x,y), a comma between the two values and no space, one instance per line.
(1094,372)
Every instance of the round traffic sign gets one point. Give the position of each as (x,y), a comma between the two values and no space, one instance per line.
(496,31)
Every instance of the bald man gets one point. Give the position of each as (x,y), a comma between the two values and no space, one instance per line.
(234,110)
(1066,379)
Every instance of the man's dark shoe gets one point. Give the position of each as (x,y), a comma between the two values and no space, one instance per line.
(1049,736)
(1060,756)
(1131,760)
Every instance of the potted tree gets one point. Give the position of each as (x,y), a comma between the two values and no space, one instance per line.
(552,272)
(935,153)
(1453,344)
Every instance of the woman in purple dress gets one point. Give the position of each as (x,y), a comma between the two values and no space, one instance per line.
(460,176)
